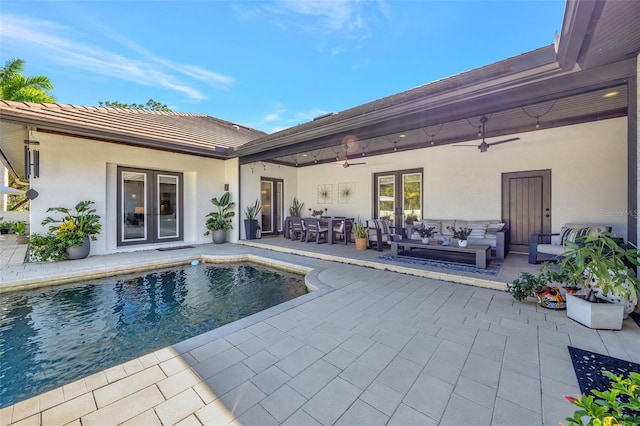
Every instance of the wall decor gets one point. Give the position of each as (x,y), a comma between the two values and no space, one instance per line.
(325,194)
(346,192)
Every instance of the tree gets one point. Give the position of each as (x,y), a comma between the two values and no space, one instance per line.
(150,105)
(16,87)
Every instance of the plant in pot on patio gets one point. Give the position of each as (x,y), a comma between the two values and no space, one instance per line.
(426,233)
(218,223)
(361,235)
(539,286)
(460,234)
(20,229)
(604,266)
(75,230)
(5,227)
(251,224)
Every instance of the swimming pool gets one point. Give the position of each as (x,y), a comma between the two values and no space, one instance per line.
(53,336)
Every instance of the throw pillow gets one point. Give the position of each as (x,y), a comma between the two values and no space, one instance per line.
(495,227)
(478,229)
(571,234)
(428,223)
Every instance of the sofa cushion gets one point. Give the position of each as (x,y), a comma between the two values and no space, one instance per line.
(489,240)
(553,249)
(444,225)
(495,227)
(433,223)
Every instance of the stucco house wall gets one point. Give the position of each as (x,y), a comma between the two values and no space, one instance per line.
(588,165)
(74,169)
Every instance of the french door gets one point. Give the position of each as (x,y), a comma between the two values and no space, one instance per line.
(149,206)
(271,196)
(398,195)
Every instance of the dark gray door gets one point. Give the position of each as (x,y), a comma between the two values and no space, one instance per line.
(526,206)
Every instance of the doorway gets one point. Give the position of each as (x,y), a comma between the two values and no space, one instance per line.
(149,206)
(397,195)
(271,197)
(526,206)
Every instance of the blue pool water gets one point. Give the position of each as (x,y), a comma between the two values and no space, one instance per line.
(53,336)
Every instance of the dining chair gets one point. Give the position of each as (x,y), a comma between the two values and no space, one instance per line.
(297,229)
(313,227)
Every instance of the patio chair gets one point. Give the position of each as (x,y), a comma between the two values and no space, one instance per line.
(551,247)
(380,233)
(343,231)
(297,229)
(314,228)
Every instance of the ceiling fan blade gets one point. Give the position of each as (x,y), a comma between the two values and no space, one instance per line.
(503,141)
(475,146)
(356,164)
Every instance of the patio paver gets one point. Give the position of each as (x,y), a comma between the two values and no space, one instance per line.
(370,346)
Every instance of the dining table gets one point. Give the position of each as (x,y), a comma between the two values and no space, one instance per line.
(328,222)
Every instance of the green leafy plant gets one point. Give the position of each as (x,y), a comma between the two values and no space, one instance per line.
(296,207)
(221,219)
(526,285)
(75,224)
(251,212)
(618,405)
(19,228)
(46,248)
(359,230)
(461,233)
(603,262)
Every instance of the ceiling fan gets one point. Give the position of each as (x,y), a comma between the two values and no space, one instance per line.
(347,164)
(484,146)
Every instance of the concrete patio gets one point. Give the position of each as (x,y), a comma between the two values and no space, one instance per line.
(370,346)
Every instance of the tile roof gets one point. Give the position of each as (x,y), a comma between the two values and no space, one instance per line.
(181,132)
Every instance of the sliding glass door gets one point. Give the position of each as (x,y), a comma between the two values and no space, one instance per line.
(272,205)
(149,207)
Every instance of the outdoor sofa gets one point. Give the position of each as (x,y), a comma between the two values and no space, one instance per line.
(549,247)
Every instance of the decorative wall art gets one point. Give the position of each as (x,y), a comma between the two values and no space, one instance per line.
(325,194)
(346,192)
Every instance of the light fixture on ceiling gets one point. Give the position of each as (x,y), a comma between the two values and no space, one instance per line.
(537,116)
(433,135)
(611,94)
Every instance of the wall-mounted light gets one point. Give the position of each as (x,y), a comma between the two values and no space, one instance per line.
(611,94)
(31,159)
(226,186)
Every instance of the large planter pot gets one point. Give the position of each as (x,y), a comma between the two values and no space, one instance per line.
(551,298)
(21,239)
(4,231)
(251,229)
(362,243)
(219,236)
(81,251)
(605,315)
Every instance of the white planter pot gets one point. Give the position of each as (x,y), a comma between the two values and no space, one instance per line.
(462,243)
(425,240)
(606,316)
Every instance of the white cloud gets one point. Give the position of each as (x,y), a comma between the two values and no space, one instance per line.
(342,21)
(55,42)
(280,118)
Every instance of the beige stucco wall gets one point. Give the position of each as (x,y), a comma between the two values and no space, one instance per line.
(587,162)
(74,169)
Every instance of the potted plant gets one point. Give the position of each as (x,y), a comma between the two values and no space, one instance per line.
(76,228)
(296,207)
(4,227)
(604,266)
(218,223)
(251,225)
(539,286)
(20,229)
(460,234)
(317,213)
(426,233)
(361,235)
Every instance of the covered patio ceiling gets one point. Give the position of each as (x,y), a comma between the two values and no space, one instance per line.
(581,78)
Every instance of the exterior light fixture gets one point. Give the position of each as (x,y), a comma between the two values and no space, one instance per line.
(611,94)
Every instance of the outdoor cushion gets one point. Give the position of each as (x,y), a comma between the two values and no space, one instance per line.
(478,229)
(572,234)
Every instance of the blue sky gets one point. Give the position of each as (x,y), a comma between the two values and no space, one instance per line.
(264,64)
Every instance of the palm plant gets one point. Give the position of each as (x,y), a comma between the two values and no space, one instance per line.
(16,87)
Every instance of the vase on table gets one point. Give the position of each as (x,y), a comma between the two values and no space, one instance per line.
(462,243)
(425,240)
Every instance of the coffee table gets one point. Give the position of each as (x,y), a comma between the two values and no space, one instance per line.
(480,254)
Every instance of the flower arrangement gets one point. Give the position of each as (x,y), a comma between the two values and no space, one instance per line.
(426,232)
(461,233)
(314,213)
